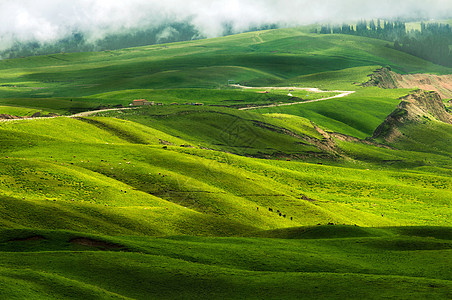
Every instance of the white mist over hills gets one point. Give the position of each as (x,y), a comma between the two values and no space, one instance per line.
(51,20)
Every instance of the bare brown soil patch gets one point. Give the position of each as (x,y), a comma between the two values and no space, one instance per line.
(96,244)
(9,117)
(385,78)
(440,84)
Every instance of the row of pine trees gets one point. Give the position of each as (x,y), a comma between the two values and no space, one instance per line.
(432,42)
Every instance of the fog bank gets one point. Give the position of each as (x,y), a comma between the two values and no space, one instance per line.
(45,21)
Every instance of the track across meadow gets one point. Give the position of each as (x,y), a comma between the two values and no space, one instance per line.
(312,90)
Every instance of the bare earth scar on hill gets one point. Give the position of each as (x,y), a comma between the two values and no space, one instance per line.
(385,78)
(96,244)
(414,108)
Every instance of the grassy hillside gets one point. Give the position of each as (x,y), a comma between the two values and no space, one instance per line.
(150,180)
(333,267)
(268,58)
(198,71)
(184,201)
(432,135)
(358,114)
(227,97)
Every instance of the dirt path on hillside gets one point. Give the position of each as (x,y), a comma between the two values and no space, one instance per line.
(257,38)
(79,115)
(312,90)
(25,119)
(92,112)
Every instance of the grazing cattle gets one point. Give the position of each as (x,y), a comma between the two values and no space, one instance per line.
(257,208)
(291,218)
(280,214)
(284,216)
(270,209)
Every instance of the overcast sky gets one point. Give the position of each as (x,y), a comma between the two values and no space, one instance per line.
(49,20)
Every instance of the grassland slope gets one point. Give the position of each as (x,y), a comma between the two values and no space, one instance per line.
(159,172)
(278,58)
(424,110)
(347,262)
(184,201)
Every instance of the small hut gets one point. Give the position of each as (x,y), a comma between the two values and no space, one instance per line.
(141,102)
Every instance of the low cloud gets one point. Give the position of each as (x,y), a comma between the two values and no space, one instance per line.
(51,20)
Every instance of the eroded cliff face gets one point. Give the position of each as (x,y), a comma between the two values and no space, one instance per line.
(385,78)
(8,117)
(416,107)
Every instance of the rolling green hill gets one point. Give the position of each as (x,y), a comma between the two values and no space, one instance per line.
(268,58)
(401,262)
(132,170)
(184,201)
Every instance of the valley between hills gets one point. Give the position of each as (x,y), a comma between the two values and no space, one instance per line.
(323,172)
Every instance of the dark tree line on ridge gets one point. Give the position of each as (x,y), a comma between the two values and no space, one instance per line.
(78,42)
(432,42)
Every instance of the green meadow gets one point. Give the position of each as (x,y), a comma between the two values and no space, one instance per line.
(357,115)
(183,201)
(344,263)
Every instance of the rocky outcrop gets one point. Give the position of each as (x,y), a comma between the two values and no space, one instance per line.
(383,78)
(8,117)
(416,107)
(34,116)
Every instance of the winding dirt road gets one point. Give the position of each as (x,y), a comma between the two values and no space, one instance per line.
(92,112)
(312,90)
(79,115)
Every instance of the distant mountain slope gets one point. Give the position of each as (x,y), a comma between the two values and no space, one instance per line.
(276,57)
